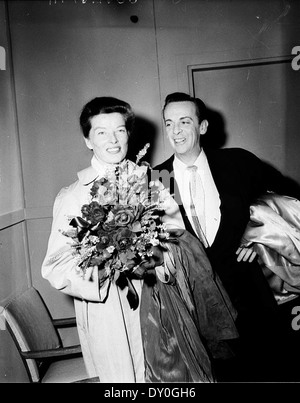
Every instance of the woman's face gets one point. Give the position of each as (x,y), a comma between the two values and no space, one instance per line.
(108,137)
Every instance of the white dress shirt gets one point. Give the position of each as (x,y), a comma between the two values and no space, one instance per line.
(212,198)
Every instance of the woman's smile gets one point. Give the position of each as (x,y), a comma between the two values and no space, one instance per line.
(113,150)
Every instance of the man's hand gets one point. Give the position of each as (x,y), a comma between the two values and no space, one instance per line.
(246,254)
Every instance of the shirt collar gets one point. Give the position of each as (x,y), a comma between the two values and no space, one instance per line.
(200,162)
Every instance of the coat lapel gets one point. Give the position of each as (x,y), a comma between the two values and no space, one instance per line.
(233,209)
(87,176)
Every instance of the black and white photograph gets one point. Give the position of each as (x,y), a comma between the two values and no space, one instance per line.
(149,194)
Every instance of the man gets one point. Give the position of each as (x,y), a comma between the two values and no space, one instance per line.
(231,179)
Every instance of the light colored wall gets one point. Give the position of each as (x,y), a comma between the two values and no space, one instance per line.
(14,267)
(10,183)
(212,32)
(65,54)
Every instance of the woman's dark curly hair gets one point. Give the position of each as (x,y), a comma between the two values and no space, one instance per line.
(105,105)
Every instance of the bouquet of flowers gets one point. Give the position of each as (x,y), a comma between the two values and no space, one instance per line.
(120,225)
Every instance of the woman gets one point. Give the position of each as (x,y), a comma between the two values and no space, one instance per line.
(109,330)
(161,338)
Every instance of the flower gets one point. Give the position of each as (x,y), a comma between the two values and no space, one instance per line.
(93,212)
(105,239)
(120,224)
(123,215)
(124,239)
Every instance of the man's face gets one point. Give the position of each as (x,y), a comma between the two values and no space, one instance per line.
(108,137)
(183,129)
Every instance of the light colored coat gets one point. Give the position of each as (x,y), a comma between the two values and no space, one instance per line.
(108,328)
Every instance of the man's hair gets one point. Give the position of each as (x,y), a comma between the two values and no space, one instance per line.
(105,105)
(201,110)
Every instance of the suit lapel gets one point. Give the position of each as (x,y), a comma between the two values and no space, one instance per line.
(233,211)
(222,173)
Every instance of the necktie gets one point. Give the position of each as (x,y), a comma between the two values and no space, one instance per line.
(197,198)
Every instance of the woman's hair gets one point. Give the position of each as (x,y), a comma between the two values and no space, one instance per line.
(105,105)
(201,110)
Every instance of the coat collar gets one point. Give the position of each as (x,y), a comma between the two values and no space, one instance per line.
(87,175)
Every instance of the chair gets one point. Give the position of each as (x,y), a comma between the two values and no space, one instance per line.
(36,336)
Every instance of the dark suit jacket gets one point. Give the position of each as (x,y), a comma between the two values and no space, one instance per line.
(240,178)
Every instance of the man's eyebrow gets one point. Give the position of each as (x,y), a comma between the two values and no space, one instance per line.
(186,117)
(183,117)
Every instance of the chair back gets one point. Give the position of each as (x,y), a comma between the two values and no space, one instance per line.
(30,324)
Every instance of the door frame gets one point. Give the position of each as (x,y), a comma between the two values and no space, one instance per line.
(193,68)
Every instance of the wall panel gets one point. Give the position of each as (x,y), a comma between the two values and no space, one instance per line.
(14,278)
(60,305)
(14,263)
(10,182)
(255,118)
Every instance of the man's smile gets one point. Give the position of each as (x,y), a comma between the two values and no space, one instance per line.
(180,140)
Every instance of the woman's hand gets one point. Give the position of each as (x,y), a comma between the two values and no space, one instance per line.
(246,254)
(166,201)
(172,216)
(157,259)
